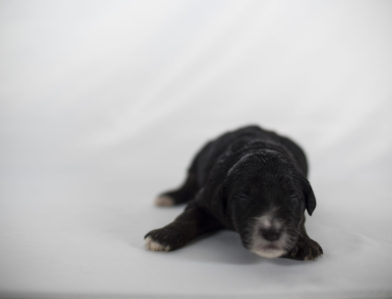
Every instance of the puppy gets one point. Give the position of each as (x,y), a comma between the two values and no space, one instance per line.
(252,181)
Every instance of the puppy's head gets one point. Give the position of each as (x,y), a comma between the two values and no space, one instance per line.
(267,197)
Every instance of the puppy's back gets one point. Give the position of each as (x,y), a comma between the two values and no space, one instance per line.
(228,142)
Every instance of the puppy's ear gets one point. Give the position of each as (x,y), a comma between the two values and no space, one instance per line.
(310,199)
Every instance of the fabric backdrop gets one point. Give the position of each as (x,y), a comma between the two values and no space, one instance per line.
(103,104)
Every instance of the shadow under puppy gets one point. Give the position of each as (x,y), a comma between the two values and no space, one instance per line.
(252,181)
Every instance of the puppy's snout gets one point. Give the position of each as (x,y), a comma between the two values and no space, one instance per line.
(270,234)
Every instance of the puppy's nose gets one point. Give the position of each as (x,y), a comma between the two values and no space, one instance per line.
(270,234)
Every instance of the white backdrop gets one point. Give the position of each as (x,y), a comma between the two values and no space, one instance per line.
(103,103)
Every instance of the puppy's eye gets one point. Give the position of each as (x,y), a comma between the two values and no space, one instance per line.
(242,197)
(293,198)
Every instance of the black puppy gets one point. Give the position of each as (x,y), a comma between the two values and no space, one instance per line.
(252,181)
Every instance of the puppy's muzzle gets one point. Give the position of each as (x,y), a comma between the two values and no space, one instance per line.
(269,238)
(270,234)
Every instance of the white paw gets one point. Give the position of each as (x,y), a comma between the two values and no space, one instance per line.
(164,201)
(155,246)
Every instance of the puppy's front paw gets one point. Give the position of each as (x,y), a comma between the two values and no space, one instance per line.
(162,239)
(305,249)
(154,245)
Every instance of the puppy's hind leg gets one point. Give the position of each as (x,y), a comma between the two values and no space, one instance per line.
(183,194)
(192,223)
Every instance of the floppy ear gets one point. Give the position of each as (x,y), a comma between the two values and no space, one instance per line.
(310,199)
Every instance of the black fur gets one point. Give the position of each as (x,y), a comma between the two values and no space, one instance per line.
(237,177)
